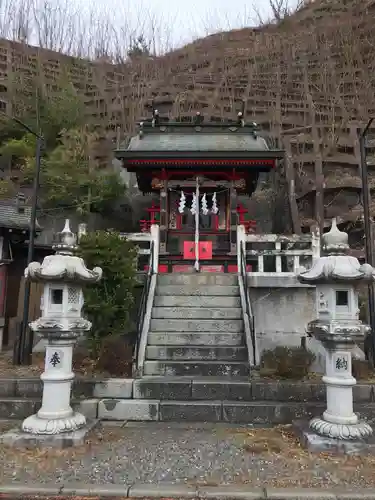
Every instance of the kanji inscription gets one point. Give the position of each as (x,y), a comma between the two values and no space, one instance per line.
(341,363)
(56,359)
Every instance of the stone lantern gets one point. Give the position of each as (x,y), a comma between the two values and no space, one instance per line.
(61,323)
(336,276)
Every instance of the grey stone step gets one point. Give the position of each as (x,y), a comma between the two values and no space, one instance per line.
(198,389)
(235,412)
(192,353)
(200,368)
(195,338)
(211,291)
(198,279)
(196,301)
(196,313)
(22,407)
(202,325)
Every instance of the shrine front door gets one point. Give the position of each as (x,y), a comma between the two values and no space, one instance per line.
(213,225)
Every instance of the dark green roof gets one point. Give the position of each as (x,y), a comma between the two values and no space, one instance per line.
(197,141)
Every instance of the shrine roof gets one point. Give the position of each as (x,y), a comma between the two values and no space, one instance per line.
(201,141)
(166,137)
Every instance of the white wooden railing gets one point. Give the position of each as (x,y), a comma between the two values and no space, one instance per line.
(141,238)
(276,254)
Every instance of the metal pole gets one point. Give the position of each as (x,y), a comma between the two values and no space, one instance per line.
(27,336)
(368,233)
(196,265)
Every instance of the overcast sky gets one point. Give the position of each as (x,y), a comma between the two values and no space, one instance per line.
(184,20)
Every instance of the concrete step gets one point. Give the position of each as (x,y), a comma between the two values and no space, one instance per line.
(234,412)
(213,291)
(196,325)
(196,353)
(196,313)
(196,301)
(195,338)
(186,388)
(200,368)
(21,408)
(197,279)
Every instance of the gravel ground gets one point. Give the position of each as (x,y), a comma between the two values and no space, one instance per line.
(209,455)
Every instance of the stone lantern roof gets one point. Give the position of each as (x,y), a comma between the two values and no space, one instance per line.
(64,266)
(337,265)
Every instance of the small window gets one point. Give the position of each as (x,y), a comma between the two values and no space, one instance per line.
(342,298)
(57,296)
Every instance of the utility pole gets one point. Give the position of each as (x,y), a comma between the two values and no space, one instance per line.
(369,244)
(24,345)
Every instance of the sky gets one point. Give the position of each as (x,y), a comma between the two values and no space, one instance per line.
(185,20)
(60,24)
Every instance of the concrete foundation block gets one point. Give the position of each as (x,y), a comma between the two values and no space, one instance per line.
(7,387)
(191,411)
(17,438)
(88,407)
(128,409)
(29,387)
(121,388)
(221,390)
(17,408)
(320,444)
(162,388)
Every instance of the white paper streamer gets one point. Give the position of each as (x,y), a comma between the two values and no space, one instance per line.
(204,205)
(214,208)
(181,206)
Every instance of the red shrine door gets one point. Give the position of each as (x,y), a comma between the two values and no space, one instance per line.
(213,227)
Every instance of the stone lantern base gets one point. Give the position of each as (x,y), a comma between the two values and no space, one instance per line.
(317,443)
(17,438)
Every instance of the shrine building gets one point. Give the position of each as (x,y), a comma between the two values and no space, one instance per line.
(199,170)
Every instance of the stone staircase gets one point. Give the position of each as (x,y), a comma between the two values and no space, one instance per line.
(196,327)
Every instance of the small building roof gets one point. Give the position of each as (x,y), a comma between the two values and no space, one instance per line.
(14,215)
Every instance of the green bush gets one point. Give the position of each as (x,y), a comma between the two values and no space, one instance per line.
(286,362)
(109,303)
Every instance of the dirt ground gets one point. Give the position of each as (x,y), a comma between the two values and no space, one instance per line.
(186,454)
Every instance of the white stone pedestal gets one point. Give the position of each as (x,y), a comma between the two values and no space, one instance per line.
(339,420)
(56,415)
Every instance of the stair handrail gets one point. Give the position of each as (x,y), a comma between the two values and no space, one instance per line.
(143,302)
(146,303)
(249,308)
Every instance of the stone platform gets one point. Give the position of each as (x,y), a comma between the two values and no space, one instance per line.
(320,444)
(18,439)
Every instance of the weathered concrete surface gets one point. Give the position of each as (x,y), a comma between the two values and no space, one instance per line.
(196,301)
(128,409)
(320,444)
(114,388)
(162,388)
(16,438)
(198,325)
(20,387)
(196,368)
(193,353)
(183,290)
(180,491)
(196,313)
(195,338)
(201,279)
